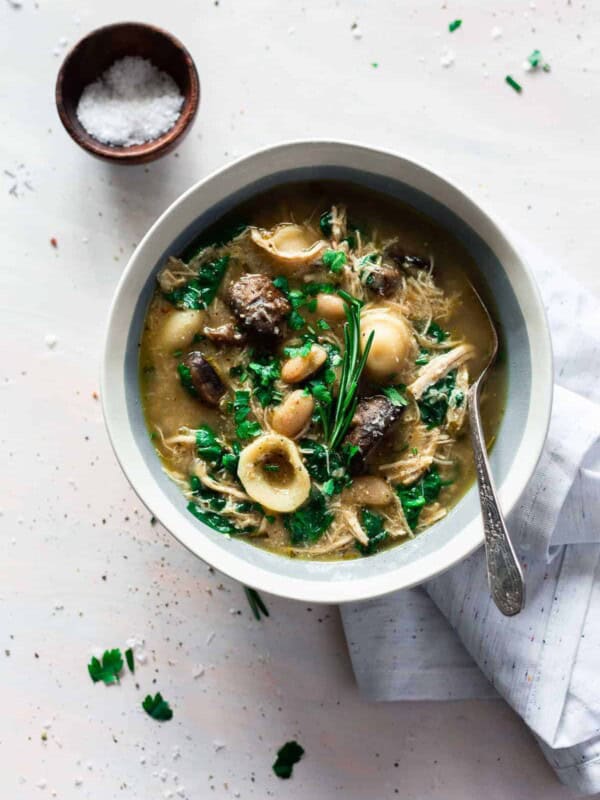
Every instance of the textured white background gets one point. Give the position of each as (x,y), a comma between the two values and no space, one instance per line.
(81,567)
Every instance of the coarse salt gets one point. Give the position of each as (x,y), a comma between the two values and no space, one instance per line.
(131,103)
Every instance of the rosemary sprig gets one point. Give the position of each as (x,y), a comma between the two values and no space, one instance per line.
(256,603)
(352,366)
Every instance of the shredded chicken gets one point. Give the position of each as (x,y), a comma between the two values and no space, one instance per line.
(439,367)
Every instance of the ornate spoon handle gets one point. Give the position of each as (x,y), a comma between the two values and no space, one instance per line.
(505,577)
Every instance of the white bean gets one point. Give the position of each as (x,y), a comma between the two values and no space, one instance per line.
(368,490)
(298,368)
(330,307)
(293,415)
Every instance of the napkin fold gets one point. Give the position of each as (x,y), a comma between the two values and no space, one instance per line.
(544,662)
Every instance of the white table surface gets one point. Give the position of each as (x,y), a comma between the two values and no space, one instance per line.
(81,567)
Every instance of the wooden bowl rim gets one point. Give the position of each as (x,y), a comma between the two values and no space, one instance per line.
(137,153)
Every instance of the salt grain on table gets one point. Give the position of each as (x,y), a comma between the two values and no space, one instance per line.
(131,103)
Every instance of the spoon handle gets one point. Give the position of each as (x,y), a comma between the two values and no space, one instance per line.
(505,577)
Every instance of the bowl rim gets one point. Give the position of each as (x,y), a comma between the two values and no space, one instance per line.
(469,539)
(138,153)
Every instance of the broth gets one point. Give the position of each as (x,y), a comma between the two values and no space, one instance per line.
(225,388)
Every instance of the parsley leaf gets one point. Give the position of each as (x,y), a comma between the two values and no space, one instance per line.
(434,401)
(108,670)
(326,223)
(416,496)
(199,292)
(264,371)
(245,428)
(256,602)
(129,659)
(334,260)
(214,520)
(513,84)
(455,25)
(395,394)
(373,526)
(287,756)
(157,707)
(436,333)
(207,446)
(310,521)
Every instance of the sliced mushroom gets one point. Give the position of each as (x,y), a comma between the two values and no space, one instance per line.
(205,381)
(440,366)
(392,342)
(401,258)
(272,473)
(291,245)
(225,334)
(259,305)
(374,417)
(383,279)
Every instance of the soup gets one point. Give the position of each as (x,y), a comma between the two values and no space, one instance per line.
(304,372)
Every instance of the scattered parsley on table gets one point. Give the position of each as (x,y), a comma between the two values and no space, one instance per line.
(157,707)
(108,669)
(287,756)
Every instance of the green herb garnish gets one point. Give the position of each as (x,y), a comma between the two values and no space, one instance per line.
(108,669)
(454,25)
(326,223)
(353,364)
(395,394)
(199,292)
(256,603)
(310,521)
(416,496)
(207,446)
(214,520)
(287,756)
(513,84)
(185,377)
(157,707)
(244,428)
(436,333)
(129,659)
(373,526)
(214,500)
(334,260)
(264,370)
(435,400)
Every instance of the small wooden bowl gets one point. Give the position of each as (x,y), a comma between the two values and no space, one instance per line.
(99,50)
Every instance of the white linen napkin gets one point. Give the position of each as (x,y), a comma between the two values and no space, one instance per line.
(545,661)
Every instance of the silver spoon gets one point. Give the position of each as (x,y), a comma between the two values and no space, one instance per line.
(505,576)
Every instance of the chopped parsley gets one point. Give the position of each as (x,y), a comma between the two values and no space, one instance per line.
(435,400)
(207,446)
(303,351)
(422,358)
(436,333)
(214,500)
(129,659)
(157,707)
(323,325)
(244,428)
(513,84)
(534,60)
(373,526)
(185,377)
(395,394)
(324,467)
(416,496)
(310,521)
(256,603)
(108,669)
(264,370)
(454,25)
(287,756)
(334,260)
(326,223)
(199,292)
(214,520)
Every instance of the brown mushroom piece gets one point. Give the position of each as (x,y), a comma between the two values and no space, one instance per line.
(401,258)
(226,334)
(383,279)
(258,304)
(373,419)
(204,380)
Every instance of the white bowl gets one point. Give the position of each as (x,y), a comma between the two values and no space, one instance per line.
(519,310)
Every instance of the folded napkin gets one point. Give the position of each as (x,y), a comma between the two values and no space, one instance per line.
(544,662)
